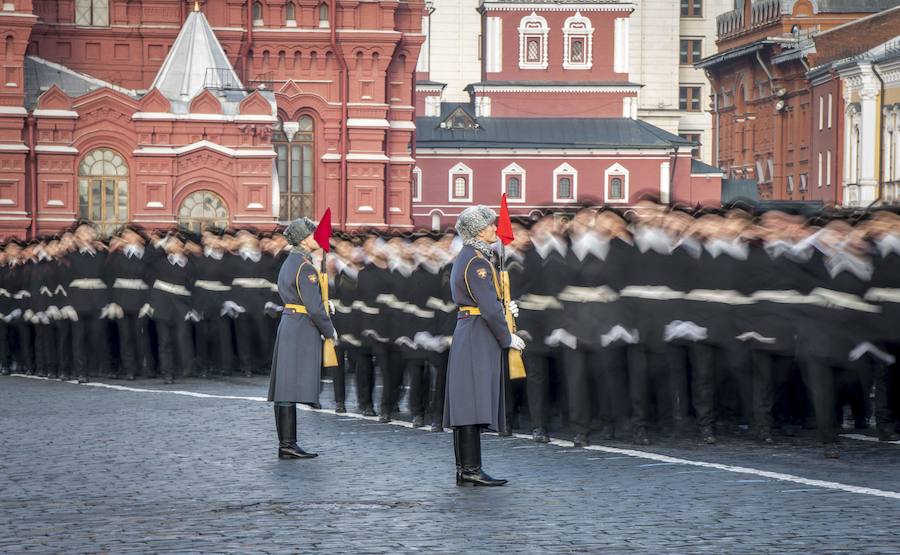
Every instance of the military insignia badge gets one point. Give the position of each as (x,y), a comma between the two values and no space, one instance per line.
(481,272)
(312,278)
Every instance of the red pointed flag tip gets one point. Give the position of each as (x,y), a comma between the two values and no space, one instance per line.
(322,234)
(504,225)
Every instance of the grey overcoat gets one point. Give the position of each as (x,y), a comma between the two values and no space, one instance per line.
(474,394)
(297,360)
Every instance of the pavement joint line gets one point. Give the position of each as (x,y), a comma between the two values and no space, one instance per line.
(824,484)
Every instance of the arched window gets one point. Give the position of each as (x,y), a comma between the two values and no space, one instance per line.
(565,184)
(294,144)
(103,189)
(92,13)
(460,177)
(578,42)
(513,183)
(257,13)
(290,13)
(323,15)
(533,33)
(201,210)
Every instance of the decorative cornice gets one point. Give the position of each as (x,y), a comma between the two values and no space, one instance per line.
(557,88)
(554,7)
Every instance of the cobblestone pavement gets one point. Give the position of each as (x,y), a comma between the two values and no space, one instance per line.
(93,469)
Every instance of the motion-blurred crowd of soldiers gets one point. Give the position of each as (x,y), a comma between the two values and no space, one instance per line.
(637,320)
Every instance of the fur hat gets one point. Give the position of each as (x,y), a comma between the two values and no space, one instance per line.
(474,219)
(298,230)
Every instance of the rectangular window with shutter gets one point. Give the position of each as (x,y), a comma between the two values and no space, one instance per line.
(689,98)
(690,51)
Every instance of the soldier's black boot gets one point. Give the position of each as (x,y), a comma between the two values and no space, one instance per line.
(286,425)
(470,457)
(456,455)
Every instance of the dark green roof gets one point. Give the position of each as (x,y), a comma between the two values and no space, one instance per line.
(533,133)
(698,167)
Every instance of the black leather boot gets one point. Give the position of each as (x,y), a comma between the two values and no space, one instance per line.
(456,455)
(470,456)
(286,425)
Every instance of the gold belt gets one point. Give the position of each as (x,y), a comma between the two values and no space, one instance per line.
(470,310)
(297,308)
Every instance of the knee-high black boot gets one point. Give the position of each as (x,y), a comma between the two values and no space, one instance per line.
(470,457)
(286,426)
(456,455)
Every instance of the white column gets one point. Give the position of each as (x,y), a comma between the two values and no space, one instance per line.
(664,185)
(493,45)
(868,99)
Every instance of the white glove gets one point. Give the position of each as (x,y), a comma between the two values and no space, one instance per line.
(116,312)
(335,337)
(69,313)
(192,316)
(232,309)
(525,335)
(29,316)
(514,309)
(54,313)
(104,312)
(145,310)
(517,343)
(13,315)
(42,318)
(331,307)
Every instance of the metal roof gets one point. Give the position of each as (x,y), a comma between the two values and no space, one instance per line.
(41,74)
(854,6)
(535,133)
(717,59)
(698,167)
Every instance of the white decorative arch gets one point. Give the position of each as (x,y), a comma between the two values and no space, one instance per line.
(436,218)
(460,170)
(620,171)
(533,32)
(565,170)
(578,29)
(517,171)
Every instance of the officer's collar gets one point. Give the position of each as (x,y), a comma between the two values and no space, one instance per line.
(590,242)
(690,245)
(87,249)
(889,244)
(736,248)
(250,253)
(844,261)
(215,254)
(548,245)
(481,247)
(655,239)
(41,255)
(401,266)
(796,252)
(177,260)
(134,251)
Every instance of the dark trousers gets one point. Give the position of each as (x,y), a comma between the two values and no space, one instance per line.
(595,383)
(5,350)
(419,386)
(390,364)
(63,332)
(215,344)
(818,375)
(339,376)
(134,344)
(252,338)
(89,345)
(24,350)
(176,347)
(537,385)
(361,361)
(692,369)
(45,350)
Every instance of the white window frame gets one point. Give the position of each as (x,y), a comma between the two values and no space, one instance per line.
(417,184)
(830,109)
(821,112)
(94,10)
(561,171)
(513,170)
(457,170)
(616,170)
(258,22)
(578,26)
(533,26)
(819,178)
(828,169)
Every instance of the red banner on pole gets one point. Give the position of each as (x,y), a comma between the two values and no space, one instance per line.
(504,224)
(322,234)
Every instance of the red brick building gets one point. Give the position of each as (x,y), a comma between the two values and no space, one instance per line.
(552,123)
(766,110)
(223,111)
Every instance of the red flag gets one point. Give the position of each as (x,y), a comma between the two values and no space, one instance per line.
(504,225)
(322,234)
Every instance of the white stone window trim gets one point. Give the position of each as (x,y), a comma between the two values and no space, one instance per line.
(616,170)
(578,26)
(417,184)
(458,170)
(513,170)
(533,26)
(565,170)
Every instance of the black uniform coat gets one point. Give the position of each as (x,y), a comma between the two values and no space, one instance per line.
(474,394)
(297,360)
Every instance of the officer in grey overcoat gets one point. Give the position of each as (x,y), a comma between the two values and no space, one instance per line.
(297,360)
(474,398)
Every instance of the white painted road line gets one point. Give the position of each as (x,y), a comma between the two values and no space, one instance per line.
(824,484)
(862,437)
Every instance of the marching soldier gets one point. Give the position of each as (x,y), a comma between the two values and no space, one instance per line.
(305,321)
(474,376)
(87,295)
